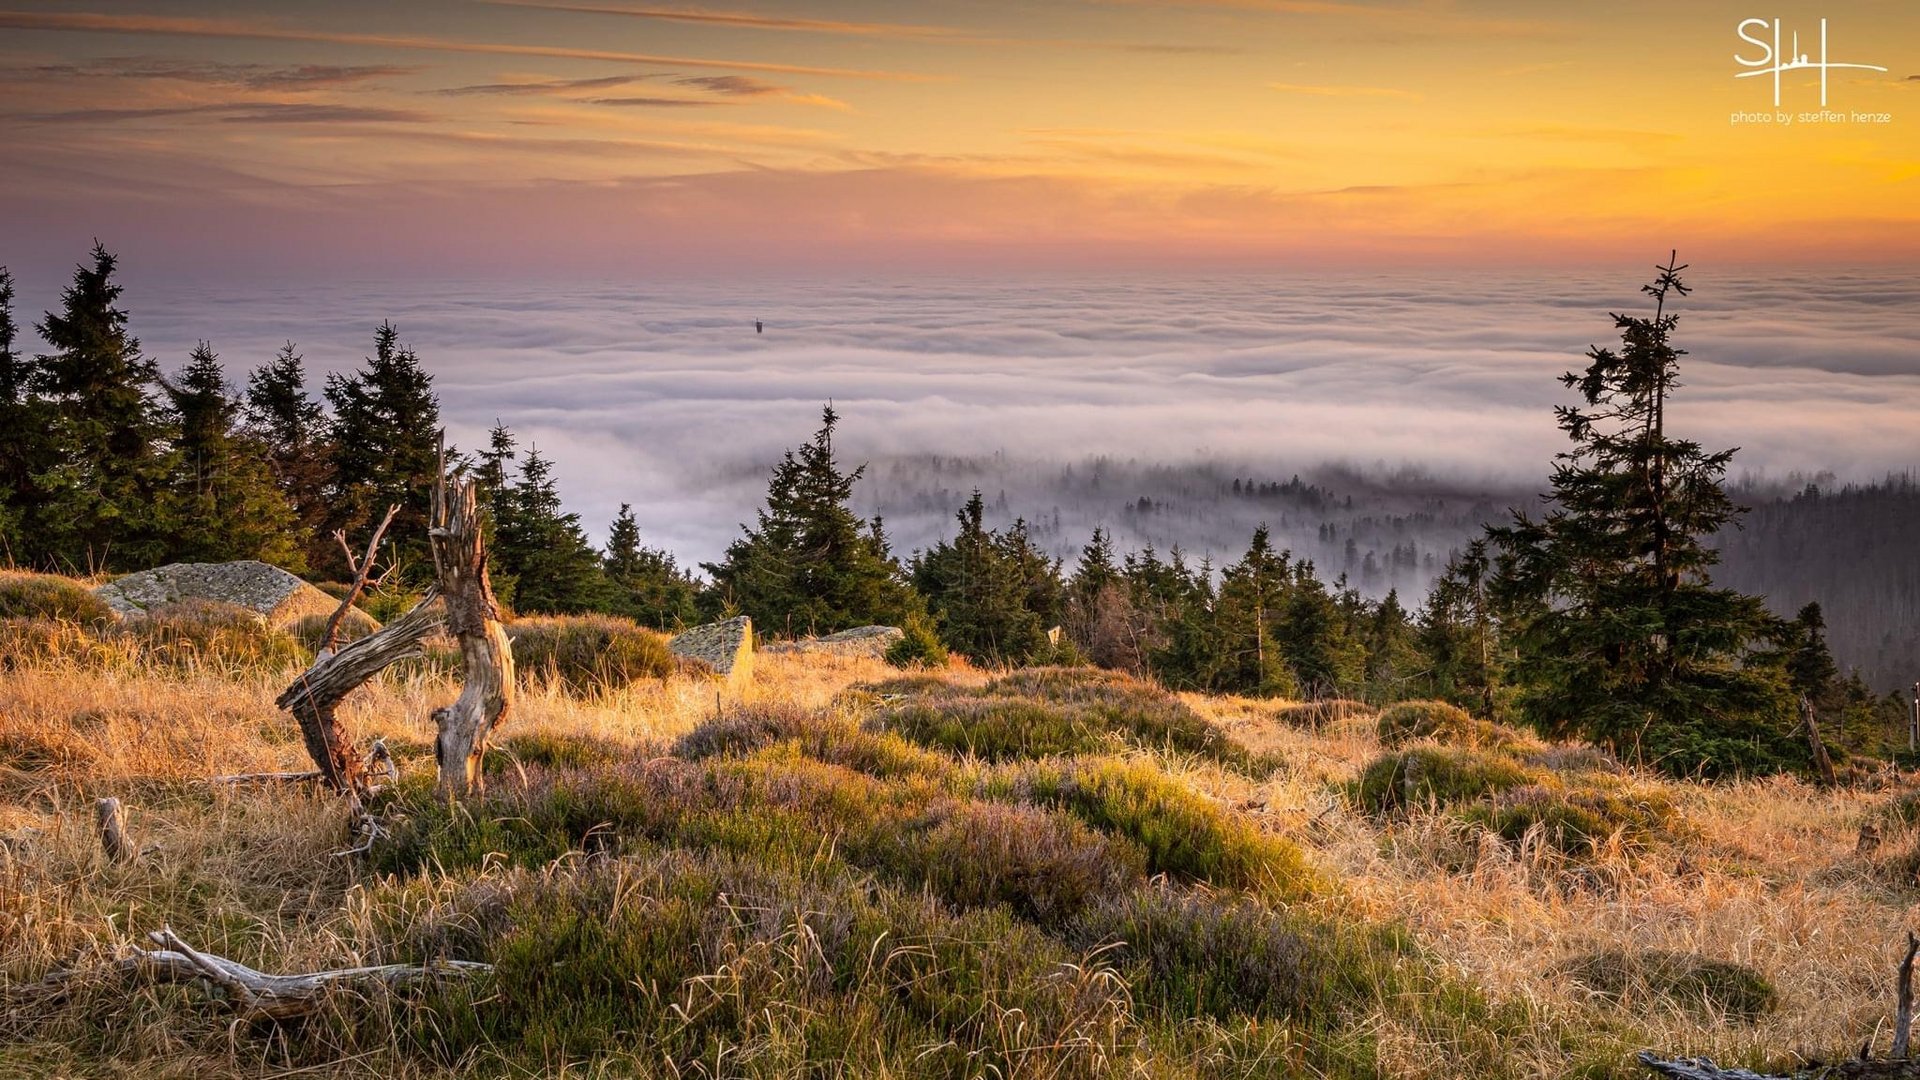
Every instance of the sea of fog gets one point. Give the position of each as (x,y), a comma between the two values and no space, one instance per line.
(663,395)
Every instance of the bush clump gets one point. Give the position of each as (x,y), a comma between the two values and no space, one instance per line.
(1442,722)
(49,596)
(1577,818)
(588,653)
(194,635)
(1045,712)
(919,646)
(1437,775)
(1628,979)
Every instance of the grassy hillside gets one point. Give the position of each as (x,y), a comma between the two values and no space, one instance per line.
(846,872)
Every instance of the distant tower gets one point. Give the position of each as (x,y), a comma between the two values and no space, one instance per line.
(758,326)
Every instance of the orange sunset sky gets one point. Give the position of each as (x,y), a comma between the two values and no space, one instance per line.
(610,134)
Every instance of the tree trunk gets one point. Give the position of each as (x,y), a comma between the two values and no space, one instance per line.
(473,617)
(315,695)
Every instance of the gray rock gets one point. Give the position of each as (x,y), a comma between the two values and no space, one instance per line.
(723,648)
(862,641)
(277,597)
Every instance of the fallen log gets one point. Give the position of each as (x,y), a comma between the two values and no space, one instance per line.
(256,995)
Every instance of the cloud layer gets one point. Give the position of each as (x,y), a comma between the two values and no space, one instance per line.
(663,394)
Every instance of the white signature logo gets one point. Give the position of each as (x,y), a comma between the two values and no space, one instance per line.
(1772,61)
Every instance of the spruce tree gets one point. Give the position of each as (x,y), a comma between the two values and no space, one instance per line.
(1100,616)
(809,564)
(23,444)
(555,570)
(493,476)
(990,593)
(1253,598)
(223,502)
(292,428)
(102,485)
(647,585)
(1394,659)
(386,424)
(1621,636)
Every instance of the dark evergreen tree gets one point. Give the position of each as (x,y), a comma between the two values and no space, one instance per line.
(647,586)
(1458,636)
(555,570)
(23,430)
(386,424)
(1621,636)
(809,564)
(292,428)
(1394,660)
(100,493)
(493,473)
(991,594)
(223,504)
(1315,633)
(1252,600)
(1100,617)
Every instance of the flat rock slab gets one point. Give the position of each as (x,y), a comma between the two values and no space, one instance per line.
(279,598)
(723,648)
(861,641)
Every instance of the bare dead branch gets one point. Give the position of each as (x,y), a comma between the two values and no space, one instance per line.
(458,541)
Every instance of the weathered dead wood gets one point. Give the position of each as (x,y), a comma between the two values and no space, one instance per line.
(256,995)
(362,569)
(379,759)
(112,819)
(1821,761)
(473,617)
(316,694)
(1903,1001)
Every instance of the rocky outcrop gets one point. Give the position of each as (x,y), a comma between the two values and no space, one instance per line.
(723,648)
(861,641)
(277,597)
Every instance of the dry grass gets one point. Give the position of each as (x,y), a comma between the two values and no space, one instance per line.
(1765,877)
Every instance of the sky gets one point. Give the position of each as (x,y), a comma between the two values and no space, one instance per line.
(655,138)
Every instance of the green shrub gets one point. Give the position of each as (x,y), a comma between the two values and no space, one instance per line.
(1183,832)
(1437,720)
(49,596)
(1044,712)
(1576,817)
(308,628)
(207,635)
(920,647)
(588,653)
(1437,775)
(1675,979)
(827,738)
(1044,865)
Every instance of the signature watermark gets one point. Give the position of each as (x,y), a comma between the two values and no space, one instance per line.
(1774,62)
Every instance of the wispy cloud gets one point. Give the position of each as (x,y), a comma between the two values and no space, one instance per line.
(90,22)
(250,76)
(746,20)
(1344,91)
(248,112)
(660,102)
(544,86)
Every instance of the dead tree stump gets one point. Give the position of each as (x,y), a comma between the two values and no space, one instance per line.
(316,694)
(112,818)
(473,617)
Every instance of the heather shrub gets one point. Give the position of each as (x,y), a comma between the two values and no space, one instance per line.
(1409,721)
(1314,715)
(208,635)
(49,596)
(1576,817)
(588,653)
(1436,775)
(1656,977)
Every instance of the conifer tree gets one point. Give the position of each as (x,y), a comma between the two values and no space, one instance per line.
(1393,651)
(1316,636)
(223,503)
(647,586)
(292,428)
(990,593)
(22,431)
(1253,598)
(105,475)
(1622,637)
(809,564)
(493,477)
(386,424)
(1099,613)
(1458,635)
(556,571)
